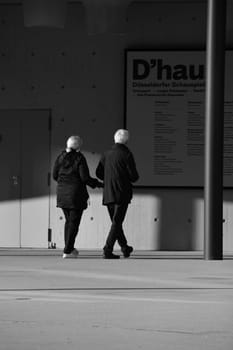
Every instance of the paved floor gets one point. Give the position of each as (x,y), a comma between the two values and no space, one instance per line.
(145,302)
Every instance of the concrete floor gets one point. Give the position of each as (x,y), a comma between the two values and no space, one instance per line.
(145,302)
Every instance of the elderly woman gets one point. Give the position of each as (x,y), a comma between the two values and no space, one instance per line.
(72,175)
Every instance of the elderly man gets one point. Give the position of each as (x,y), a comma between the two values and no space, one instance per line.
(72,175)
(118,170)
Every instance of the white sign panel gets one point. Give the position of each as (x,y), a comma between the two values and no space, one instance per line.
(165,106)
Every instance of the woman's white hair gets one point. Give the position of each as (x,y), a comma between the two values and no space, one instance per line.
(74,142)
(121,136)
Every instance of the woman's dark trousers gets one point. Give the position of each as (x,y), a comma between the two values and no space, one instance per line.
(73,218)
(117,214)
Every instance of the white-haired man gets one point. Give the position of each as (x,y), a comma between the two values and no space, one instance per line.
(72,175)
(118,171)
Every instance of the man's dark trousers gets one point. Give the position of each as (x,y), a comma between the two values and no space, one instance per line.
(117,214)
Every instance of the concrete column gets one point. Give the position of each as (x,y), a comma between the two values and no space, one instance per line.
(214,129)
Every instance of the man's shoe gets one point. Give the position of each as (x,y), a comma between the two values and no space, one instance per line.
(111,256)
(127,250)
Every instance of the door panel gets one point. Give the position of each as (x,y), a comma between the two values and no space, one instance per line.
(9,182)
(35,189)
(24,190)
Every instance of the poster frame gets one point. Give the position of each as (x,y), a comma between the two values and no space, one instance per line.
(135,49)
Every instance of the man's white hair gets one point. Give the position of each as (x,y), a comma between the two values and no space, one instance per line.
(74,142)
(121,136)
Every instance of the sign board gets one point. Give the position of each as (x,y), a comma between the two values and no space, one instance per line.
(165,107)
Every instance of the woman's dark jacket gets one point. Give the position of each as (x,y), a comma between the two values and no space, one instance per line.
(72,175)
(118,170)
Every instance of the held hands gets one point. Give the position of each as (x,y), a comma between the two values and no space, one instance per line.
(99,184)
(94,183)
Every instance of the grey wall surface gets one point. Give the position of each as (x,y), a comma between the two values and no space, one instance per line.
(80,77)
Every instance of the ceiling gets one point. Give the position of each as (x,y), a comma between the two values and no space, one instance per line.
(140,1)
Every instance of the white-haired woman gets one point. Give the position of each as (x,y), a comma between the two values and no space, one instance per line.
(72,175)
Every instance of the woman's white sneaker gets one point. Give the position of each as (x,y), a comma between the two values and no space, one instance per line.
(72,255)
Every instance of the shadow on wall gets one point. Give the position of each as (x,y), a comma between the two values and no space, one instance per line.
(173,219)
(25,154)
(169,213)
(178,217)
(158,218)
(173,216)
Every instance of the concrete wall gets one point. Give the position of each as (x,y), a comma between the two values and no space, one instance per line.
(81,78)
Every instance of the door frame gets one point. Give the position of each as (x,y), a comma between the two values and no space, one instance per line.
(49,110)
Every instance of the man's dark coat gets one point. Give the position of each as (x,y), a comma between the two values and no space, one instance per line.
(118,170)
